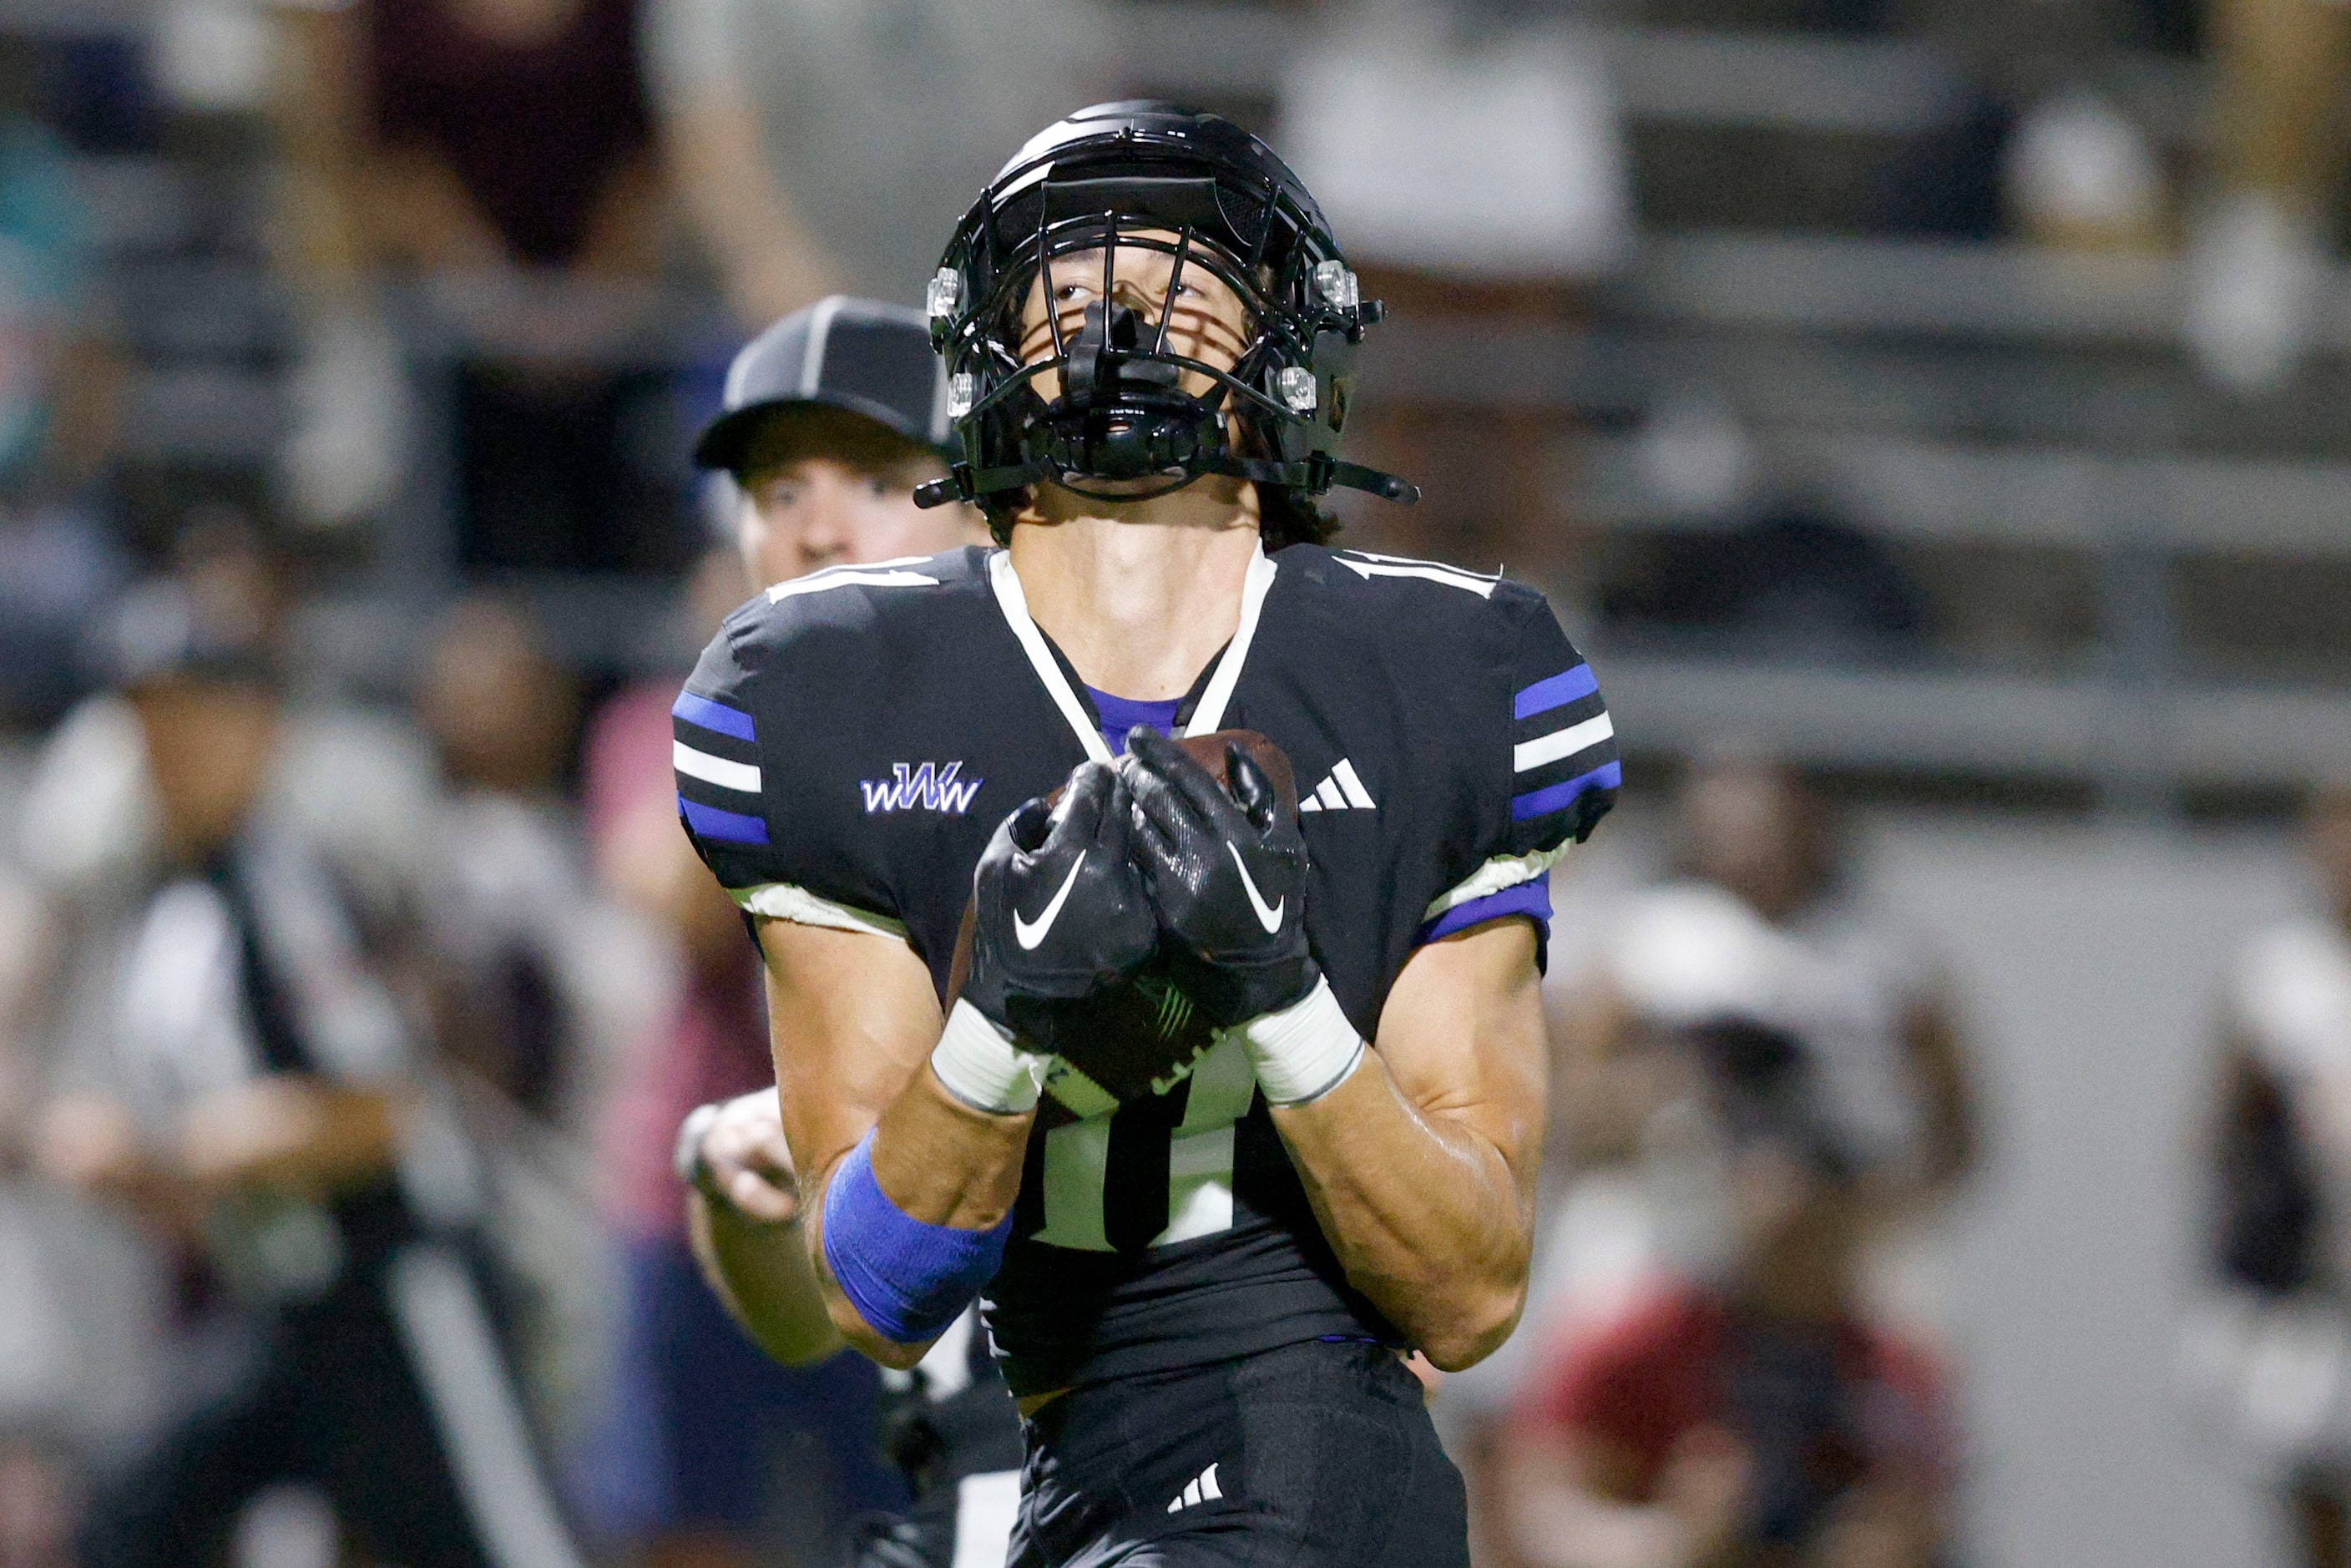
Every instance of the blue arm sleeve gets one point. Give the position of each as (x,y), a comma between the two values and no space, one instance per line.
(906,1278)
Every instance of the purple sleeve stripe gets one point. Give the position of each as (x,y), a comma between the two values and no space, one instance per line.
(734,827)
(1531,897)
(1555,691)
(1558,797)
(713,715)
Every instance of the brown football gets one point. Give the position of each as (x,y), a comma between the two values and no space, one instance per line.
(1156,1032)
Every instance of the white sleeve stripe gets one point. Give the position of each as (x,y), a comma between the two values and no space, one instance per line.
(785,901)
(1561,743)
(1501,872)
(820,582)
(1483,587)
(738,775)
(1415,561)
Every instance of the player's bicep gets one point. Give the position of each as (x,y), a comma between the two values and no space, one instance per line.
(1462,1034)
(852,1018)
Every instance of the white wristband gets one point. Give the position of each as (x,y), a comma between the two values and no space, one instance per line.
(981,1067)
(1305,1051)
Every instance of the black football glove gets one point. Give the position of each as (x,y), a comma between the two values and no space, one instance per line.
(1058,911)
(1226,873)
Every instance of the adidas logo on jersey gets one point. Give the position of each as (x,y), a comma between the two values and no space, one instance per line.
(921,787)
(1341,791)
(1202,1488)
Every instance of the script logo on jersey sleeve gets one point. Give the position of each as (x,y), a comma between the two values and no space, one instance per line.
(921,787)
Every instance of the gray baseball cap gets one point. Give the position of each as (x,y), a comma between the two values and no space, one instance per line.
(862,355)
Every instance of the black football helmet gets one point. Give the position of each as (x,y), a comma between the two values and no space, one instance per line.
(1199,189)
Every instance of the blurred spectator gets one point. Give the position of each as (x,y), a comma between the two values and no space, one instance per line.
(1795,580)
(2069,170)
(505,152)
(1761,928)
(1748,1412)
(1475,158)
(785,119)
(506,892)
(86,1360)
(2040,144)
(360,786)
(1758,927)
(2257,258)
(832,416)
(535,981)
(263,1107)
(2269,1340)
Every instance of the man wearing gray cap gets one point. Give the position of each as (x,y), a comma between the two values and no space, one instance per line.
(830,418)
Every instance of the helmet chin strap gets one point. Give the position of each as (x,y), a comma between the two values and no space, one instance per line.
(1315,475)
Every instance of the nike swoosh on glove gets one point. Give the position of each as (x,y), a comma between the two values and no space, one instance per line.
(1227,872)
(1058,911)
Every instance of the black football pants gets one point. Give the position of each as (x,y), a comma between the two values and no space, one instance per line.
(389,1395)
(1320,1454)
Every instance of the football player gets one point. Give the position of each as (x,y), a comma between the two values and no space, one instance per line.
(1153,907)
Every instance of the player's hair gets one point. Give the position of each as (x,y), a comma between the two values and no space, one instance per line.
(797,432)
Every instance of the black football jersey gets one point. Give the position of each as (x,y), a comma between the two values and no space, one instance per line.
(850,740)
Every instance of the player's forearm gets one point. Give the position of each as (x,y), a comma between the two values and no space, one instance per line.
(762,1274)
(944,1163)
(939,1163)
(1425,1215)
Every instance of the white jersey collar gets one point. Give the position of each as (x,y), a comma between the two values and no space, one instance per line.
(1210,713)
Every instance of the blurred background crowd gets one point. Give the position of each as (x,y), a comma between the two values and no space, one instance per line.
(1930,418)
